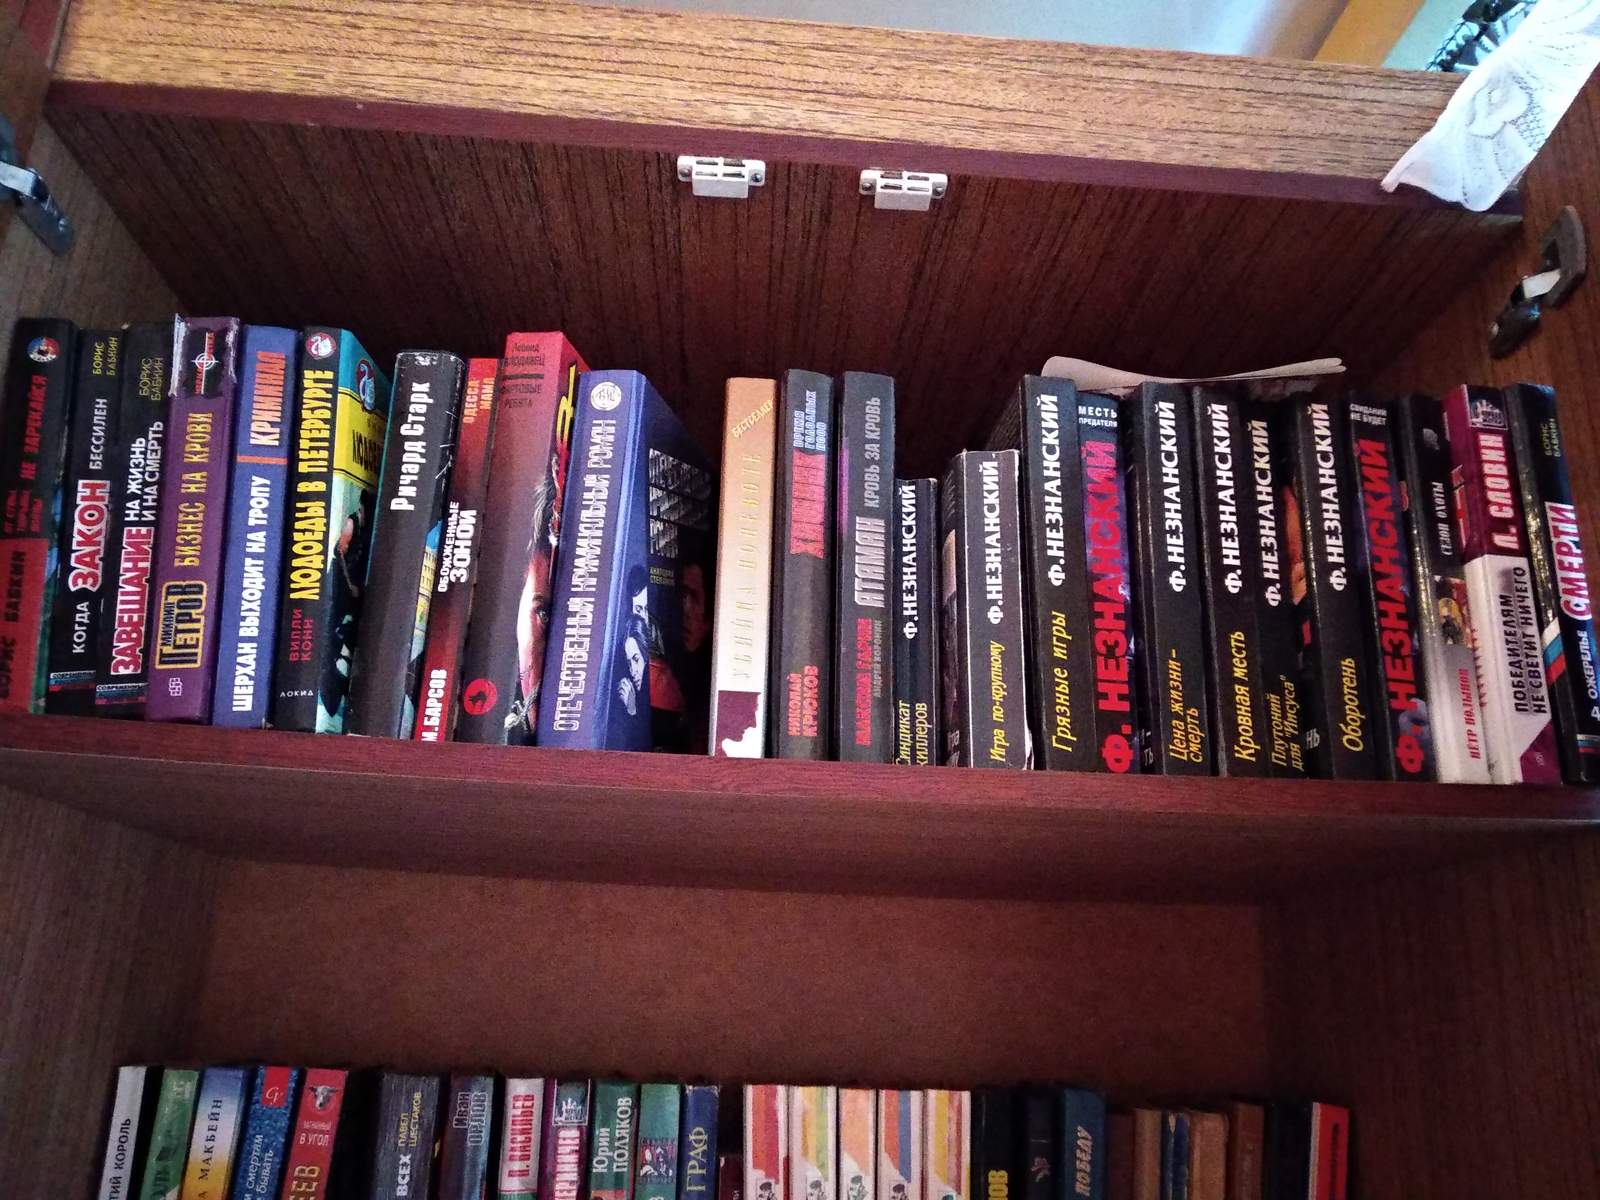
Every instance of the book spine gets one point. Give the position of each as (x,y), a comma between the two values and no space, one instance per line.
(1516,707)
(766,1141)
(521,1123)
(316,1125)
(1105,528)
(994,1146)
(117,1175)
(1334,665)
(1176,724)
(947,1144)
(194,513)
(341,410)
(266,1133)
(1175,1156)
(169,1137)
(1083,1145)
(858,1143)
(1039,1165)
(33,456)
(616,1119)
(1232,575)
(123,666)
(593,611)
(454,581)
(1277,631)
(744,572)
(403,1152)
(801,720)
(1330,1151)
(1245,1138)
(252,576)
(697,1143)
(82,579)
(217,1125)
(813,1143)
(464,1164)
(503,664)
(418,452)
(900,1145)
(863,654)
(1561,580)
(564,1149)
(916,632)
(1402,723)
(655,1175)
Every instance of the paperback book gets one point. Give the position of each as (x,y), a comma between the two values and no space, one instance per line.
(766,1142)
(1105,530)
(521,1126)
(464,1157)
(616,1122)
(264,1143)
(660,1113)
(218,1122)
(402,1160)
(309,1164)
(133,1113)
(858,1143)
(1083,1143)
(900,1144)
(917,734)
(1037,1138)
(947,1129)
(169,1137)
(697,1143)
(994,1146)
(564,1144)
(813,1143)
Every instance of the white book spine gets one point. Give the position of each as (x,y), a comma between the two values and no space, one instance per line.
(116,1180)
(1516,707)
(521,1125)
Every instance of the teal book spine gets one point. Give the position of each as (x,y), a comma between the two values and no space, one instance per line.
(616,1126)
(169,1138)
(655,1175)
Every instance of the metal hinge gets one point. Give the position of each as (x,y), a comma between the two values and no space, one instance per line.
(912,191)
(729,178)
(35,205)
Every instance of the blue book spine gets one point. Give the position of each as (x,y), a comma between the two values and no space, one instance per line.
(253,566)
(598,653)
(697,1144)
(1083,1142)
(1174,1156)
(266,1134)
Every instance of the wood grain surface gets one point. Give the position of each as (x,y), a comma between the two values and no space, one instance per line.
(24,79)
(707,84)
(103,936)
(435,972)
(418,240)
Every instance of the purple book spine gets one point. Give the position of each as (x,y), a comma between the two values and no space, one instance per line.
(194,509)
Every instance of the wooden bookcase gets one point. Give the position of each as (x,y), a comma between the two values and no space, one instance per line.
(439,172)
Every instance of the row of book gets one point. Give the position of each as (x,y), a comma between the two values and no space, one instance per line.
(283,1133)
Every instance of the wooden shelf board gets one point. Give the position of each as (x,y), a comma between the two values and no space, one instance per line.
(793,826)
(711,84)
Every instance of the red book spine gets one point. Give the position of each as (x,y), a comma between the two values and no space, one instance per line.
(1330,1151)
(458,556)
(1485,473)
(305,1174)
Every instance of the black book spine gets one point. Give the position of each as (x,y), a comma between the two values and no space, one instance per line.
(1036,1128)
(800,698)
(1334,666)
(1105,535)
(864,654)
(84,576)
(419,450)
(1277,631)
(916,631)
(994,1146)
(403,1154)
(1561,581)
(1176,726)
(1232,561)
(1402,724)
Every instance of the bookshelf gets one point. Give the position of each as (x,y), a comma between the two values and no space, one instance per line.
(1426,954)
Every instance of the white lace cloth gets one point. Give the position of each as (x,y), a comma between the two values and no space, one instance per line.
(1506,108)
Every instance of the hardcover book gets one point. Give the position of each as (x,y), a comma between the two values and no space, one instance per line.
(630,645)
(1402,723)
(655,1175)
(1147,1144)
(1500,590)
(521,1124)
(1041,424)
(947,1141)
(1288,1150)
(1246,1123)
(1560,577)
(1208,1156)
(264,1143)
(766,1141)
(564,1146)
(616,1120)
(1105,533)
(453,587)
(1176,726)
(503,665)
(417,457)
(187,614)
(697,1143)
(133,1112)
(33,458)
(1330,1149)
(994,1146)
(917,736)
(83,578)
(1277,630)
(258,494)
(801,713)
(464,1159)
(1175,1156)
(1231,560)
(858,1143)
(218,1121)
(863,653)
(341,411)
(1120,1172)
(169,1136)
(900,1145)
(744,572)
(1083,1145)
(309,1163)
(985,709)
(123,670)
(1337,714)
(1037,1136)
(402,1163)
(813,1143)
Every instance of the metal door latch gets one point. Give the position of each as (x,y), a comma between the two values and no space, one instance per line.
(35,205)
(911,191)
(1563,259)
(730,178)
